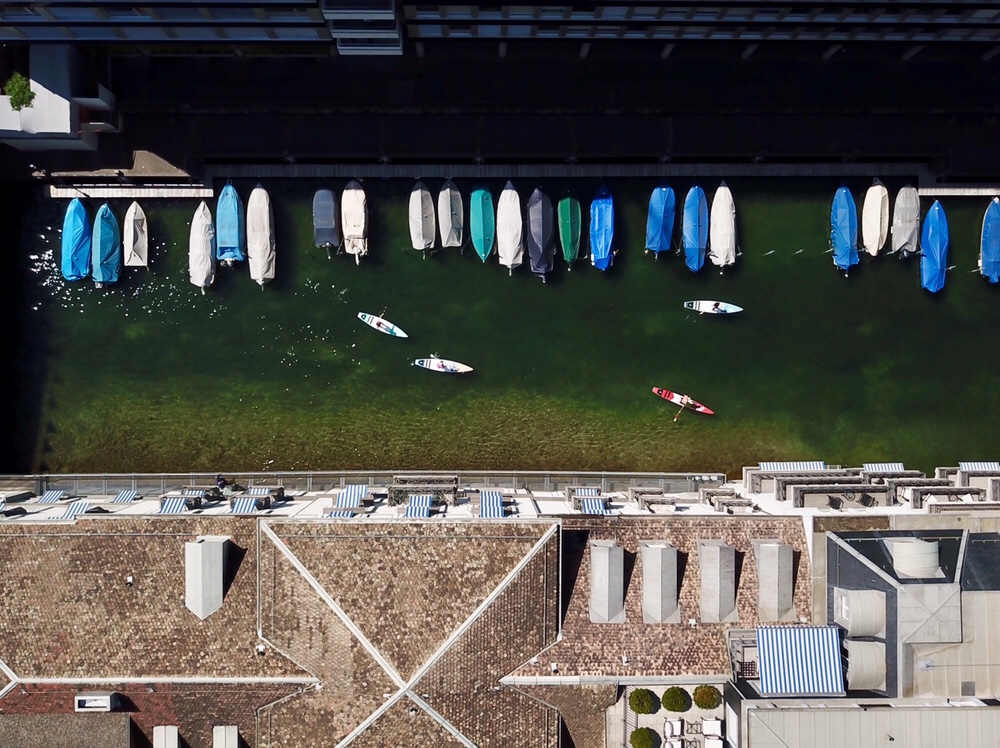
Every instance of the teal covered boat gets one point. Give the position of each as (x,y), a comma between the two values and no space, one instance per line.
(483,221)
(106,247)
(230,223)
(75,242)
(570,220)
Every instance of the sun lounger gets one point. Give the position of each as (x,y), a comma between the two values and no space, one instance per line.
(351,496)
(52,497)
(491,504)
(243,505)
(173,504)
(593,506)
(419,506)
(75,508)
(341,514)
(125,497)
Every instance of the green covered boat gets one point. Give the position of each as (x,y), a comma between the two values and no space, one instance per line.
(483,221)
(569,228)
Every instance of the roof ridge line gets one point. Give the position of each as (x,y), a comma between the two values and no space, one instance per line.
(11,675)
(179,679)
(8,688)
(338,611)
(371,718)
(478,612)
(434,714)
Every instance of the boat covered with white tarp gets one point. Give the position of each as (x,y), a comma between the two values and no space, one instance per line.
(201,248)
(354,220)
(451,221)
(136,238)
(875,218)
(722,228)
(421,217)
(260,236)
(510,229)
(906,222)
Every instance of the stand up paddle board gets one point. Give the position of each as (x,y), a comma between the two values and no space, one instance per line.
(443,365)
(382,325)
(678,399)
(708,306)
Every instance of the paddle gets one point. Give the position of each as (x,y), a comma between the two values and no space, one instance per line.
(679,413)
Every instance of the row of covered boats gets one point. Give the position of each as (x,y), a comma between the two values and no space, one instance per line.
(536,227)
(94,249)
(931,243)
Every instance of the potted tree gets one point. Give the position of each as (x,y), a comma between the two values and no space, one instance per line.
(642,701)
(642,738)
(707,697)
(676,699)
(18,90)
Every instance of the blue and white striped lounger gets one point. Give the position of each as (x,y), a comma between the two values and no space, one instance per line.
(341,514)
(198,492)
(350,497)
(587,492)
(173,505)
(259,491)
(593,506)
(419,506)
(125,497)
(52,497)
(77,507)
(3,503)
(244,505)
(491,504)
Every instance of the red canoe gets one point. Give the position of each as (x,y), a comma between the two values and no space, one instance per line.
(678,399)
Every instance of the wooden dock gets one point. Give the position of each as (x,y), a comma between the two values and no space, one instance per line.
(131,191)
(959,190)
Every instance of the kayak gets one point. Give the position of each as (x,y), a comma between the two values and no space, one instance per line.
(570,221)
(677,399)
(443,365)
(382,325)
(707,306)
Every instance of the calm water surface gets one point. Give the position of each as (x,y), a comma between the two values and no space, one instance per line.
(153,375)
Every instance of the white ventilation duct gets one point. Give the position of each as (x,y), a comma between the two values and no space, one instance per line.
(204,573)
(775,574)
(912,557)
(717,564)
(659,582)
(865,665)
(861,612)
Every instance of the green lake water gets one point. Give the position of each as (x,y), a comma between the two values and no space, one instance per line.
(151,375)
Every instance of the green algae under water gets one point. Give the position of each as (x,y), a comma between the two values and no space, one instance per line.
(151,375)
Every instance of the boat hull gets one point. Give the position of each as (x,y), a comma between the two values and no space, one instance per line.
(709,306)
(421,218)
(442,365)
(230,231)
(602,230)
(75,264)
(570,221)
(354,220)
(844,229)
(260,236)
(695,228)
(906,221)
(451,215)
(875,219)
(510,228)
(722,228)
(136,239)
(326,233)
(482,221)
(201,248)
(541,233)
(660,219)
(677,398)
(934,243)
(989,246)
(382,325)
(106,247)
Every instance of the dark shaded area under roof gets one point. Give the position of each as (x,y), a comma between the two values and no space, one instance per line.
(872,545)
(981,569)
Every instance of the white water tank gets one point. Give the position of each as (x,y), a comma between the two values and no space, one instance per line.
(912,557)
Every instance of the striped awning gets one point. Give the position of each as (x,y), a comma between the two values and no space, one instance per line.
(491,504)
(198,492)
(592,506)
(259,491)
(173,505)
(351,495)
(883,467)
(244,505)
(968,467)
(774,467)
(77,507)
(341,515)
(417,511)
(800,661)
(587,491)
(125,497)
(52,497)
(421,500)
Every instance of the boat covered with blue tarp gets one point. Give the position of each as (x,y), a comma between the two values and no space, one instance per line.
(660,219)
(75,242)
(106,247)
(602,229)
(934,249)
(694,228)
(482,222)
(989,248)
(230,222)
(844,229)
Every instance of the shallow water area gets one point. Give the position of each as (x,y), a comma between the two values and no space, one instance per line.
(152,375)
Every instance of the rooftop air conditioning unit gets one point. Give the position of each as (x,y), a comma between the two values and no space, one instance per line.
(95,701)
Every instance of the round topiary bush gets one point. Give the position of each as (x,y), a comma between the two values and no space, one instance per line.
(642,738)
(707,697)
(642,701)
(676,699)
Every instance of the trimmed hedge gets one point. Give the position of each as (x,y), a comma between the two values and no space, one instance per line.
(642,738)
(643,701)
(676,699)
(707,697)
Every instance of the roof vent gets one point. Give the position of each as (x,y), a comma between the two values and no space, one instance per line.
(95,701)
(865,665)
(165,736)
(659,582)
(607,582)
(717,563)
(915,558)
(204,575)
(225,736)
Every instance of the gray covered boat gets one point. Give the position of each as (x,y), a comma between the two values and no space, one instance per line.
(906,222)
(541,234)
(451,215)
(326,232)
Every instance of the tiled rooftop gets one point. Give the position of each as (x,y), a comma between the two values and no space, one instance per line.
(581,708)
(406,724)
(663,649)
(64,730)
(68,613)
